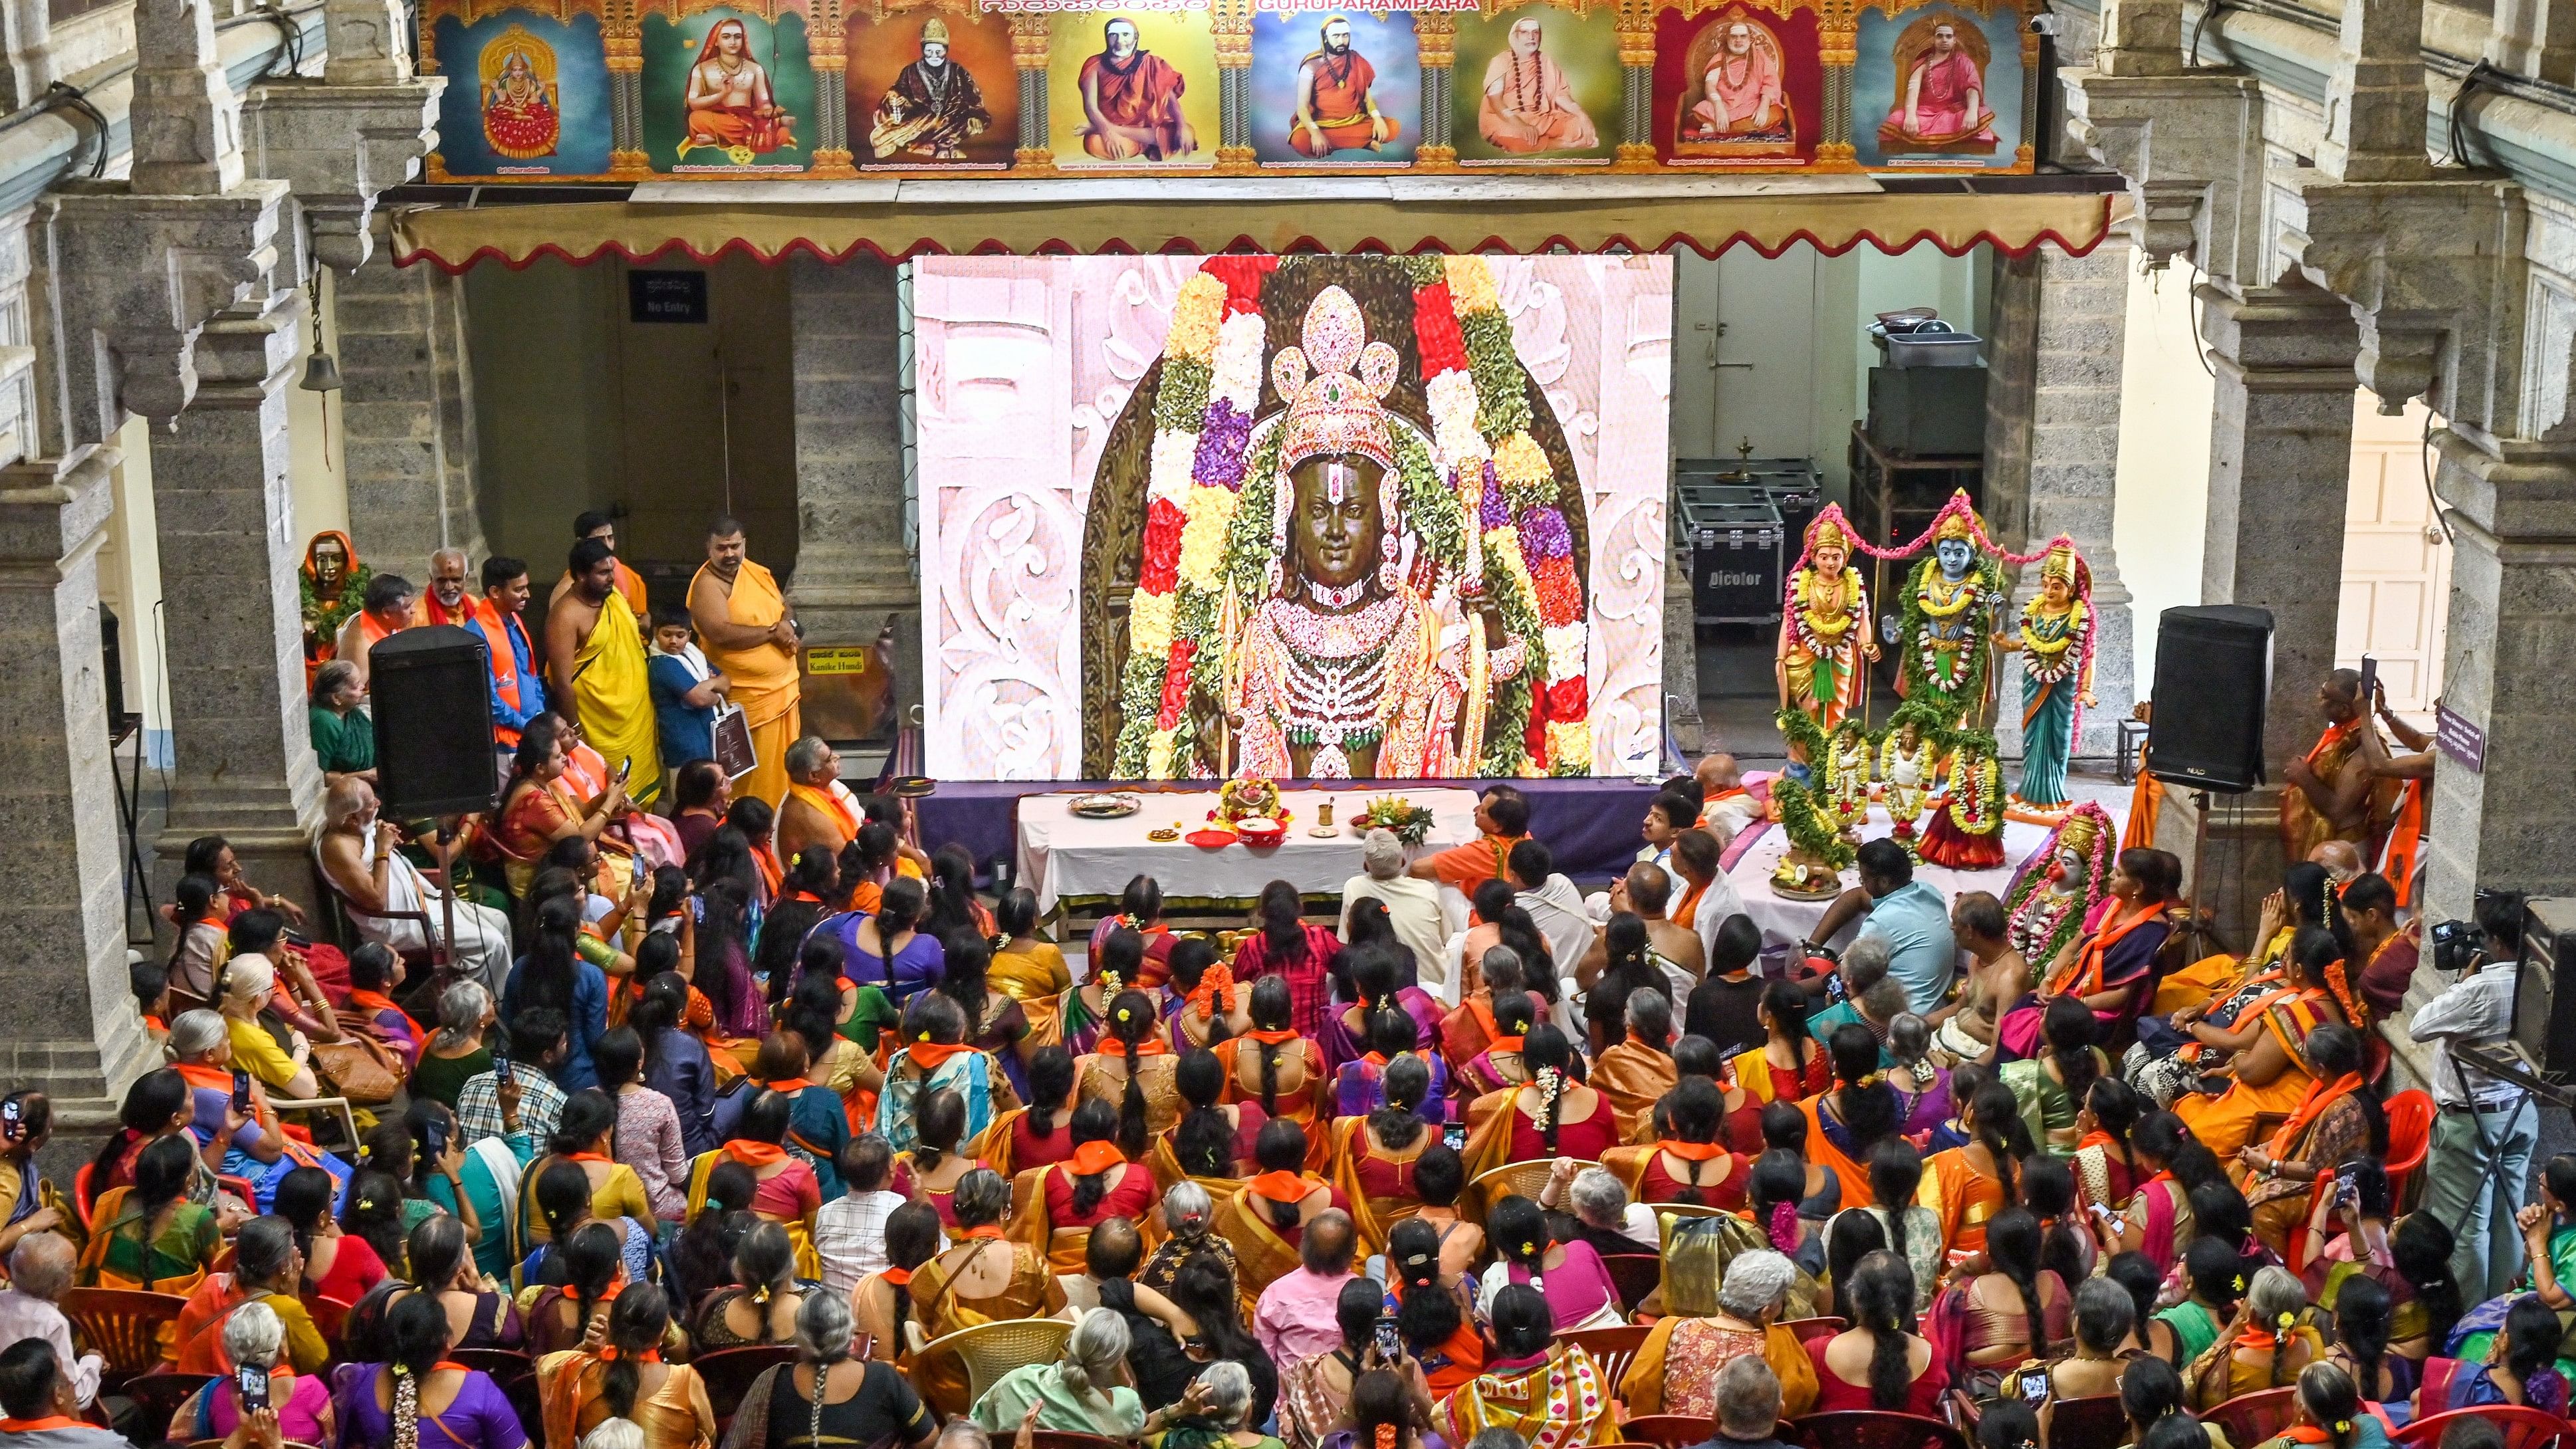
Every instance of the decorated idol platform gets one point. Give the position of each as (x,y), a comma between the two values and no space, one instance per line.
(1225,558)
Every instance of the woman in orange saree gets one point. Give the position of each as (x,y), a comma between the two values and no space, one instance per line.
(1274,1066)
(1373,1156)
(2273,1075)
(1966,1186)
(2338,1119)
(1266,1219)
(985,1278)
(540,807)
(1689,1166)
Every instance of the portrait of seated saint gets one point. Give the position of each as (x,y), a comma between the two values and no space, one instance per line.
(1528,104)
(1337,98)
(1740,106)
(934,106)
(1940,90)
(731,105)
(1131,101)
(1343,671)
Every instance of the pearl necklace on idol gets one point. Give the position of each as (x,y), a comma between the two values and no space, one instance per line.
(1333,680)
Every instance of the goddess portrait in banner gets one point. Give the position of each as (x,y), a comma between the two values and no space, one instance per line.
(1825,630)
(1333,588)
(522,116)
(2055,641)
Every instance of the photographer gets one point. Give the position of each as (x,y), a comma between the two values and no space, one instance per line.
(2483,1138)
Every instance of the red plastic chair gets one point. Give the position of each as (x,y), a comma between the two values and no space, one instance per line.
(1804,1329)
(2253,1418)
(2522,1428)
(330,1319)
(81,1198)
(1674,1431)
(2410,1132)
(122,1326)
(1871,1429)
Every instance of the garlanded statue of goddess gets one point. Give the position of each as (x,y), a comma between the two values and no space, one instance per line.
(1824,628)
(1342,670)
(2055,641)
(1952,603)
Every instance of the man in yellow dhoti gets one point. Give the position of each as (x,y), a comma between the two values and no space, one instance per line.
(750,632)
(595,662)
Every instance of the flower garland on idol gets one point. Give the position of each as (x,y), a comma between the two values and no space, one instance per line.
(1209,496)
(2039,921)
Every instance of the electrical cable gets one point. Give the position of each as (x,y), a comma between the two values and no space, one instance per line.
(2456,116)
(62,95)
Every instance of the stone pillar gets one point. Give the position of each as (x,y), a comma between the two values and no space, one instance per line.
(2280,463)
(73,1029)
(2535,38)
(852,565)
(2053,450)
(407,411)
(1683,723)
(2375,96)
(245,764)
(2512,628)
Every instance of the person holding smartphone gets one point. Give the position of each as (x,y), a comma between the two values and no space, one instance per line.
(263,1401)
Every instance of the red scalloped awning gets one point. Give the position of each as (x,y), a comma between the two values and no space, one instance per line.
(891,220)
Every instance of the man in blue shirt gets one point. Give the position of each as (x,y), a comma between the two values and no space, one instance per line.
(1908,915)
(518,686)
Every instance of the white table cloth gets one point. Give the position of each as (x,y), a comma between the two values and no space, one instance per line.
(1062,854)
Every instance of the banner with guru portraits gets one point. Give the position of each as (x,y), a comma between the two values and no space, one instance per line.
(629,89)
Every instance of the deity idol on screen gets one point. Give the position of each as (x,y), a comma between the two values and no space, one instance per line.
(1344,671)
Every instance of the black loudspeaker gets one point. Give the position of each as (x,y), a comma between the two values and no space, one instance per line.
(2544,1002)
(431,695)
(2213,674)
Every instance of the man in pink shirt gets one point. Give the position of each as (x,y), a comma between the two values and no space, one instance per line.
(1295,1320)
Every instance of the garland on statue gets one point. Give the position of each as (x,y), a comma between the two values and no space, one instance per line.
(1985,581)
(1977,810)
(324,618)
(2040,930)
(1807,827)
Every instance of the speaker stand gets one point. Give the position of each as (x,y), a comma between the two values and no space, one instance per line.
(2232,844)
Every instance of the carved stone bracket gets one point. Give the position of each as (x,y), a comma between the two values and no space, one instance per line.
(2432,271)
(340,147)
(2190,144)
(139,277)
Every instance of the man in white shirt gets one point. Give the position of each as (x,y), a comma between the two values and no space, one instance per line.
(1412,906)
(1553,903)
(40,1268)
(2486,1130)
(849,1231)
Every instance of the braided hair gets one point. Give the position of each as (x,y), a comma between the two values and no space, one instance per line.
(969,958)
(1882,1304)
(636,1323)
(2048,1190)
(1133,1020)
(2362,1310)
(2012,1246)
(823,1335)
(590,1263)
(1850,1235)
(1895,1171)
(2116,1107)
(2068,1027)
(1994,1116)
(1204,1140)
(1695,1110)
(1189,961)
(764,1263)
(416,1339)
(1779,1181)
(1869,1110)
(1517,1229)
(2421,1249)
(1545,1051)
(911,1239)
(1271,1011)
(1283,923)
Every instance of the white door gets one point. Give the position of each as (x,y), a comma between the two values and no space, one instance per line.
(2396,564)
(1744,353)
(1695,325)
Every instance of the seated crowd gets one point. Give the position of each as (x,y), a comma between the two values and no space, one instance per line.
(1587,1178)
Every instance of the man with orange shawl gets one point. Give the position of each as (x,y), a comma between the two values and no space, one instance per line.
(750,633)
(1638,1070)
(2332,794)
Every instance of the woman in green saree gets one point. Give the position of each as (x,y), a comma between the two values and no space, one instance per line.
(343,736)
(2050,1087)
(149,1236)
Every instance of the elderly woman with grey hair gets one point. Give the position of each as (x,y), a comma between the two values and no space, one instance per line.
(1225,1393)
(458,1051)
(1412,908)
(827,1396)
(1087,1390)
(1188,1212)
(1675,1371)
(344,738)
(255,1338)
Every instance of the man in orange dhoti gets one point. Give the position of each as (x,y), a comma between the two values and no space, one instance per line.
(1131,101)
(1528,104)
(750,633)
(2332,795)
(1336,98)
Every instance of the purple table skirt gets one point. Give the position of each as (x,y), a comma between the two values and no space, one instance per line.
(1592,824)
